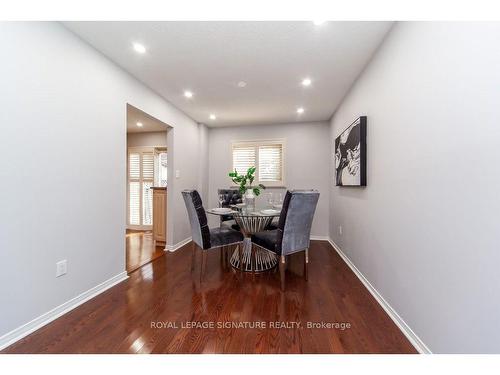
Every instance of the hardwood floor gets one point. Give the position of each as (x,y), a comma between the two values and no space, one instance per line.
(140,249)
(120,320)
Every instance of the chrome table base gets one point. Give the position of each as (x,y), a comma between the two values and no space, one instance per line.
(264,260)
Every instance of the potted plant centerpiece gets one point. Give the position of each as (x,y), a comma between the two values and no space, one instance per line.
(244,181)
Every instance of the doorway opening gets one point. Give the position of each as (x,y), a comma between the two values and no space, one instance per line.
(147,184)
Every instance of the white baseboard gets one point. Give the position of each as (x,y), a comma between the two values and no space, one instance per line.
(20,332)
(178,245)
(320,238)
(405,328)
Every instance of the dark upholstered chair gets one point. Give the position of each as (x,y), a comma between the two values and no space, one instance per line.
(294,229)
(232,197)
(204,237)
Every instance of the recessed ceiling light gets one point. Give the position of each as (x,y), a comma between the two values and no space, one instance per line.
(242,84)
(300,110)
(319,22)
(139,48)
(188,94)
(306,82)
(139,124)
(212,117)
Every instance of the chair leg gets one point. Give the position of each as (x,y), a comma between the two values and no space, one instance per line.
(203,263)
(193,256)
(282,272)
(306,264)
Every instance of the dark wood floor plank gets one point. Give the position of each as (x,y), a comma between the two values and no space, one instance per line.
(165,290)
(140,249)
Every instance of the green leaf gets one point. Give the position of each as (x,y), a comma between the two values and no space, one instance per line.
(256,191)
(242,180)
(262,186)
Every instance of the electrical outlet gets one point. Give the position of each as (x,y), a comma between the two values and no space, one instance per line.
(61,268)
(177,173)
(340,230)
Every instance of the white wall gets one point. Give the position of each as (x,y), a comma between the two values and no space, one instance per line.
(63,163)
(425,231)
(306,161)
(147,139)
(203,161)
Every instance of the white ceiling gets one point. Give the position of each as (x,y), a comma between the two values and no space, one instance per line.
(210,58)
(149,123)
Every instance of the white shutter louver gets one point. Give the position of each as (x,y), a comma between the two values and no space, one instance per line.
(147,203)
(134,170)
(243,158)
(134,167)
(141,179)
(148,171)
(270,163)
(134,203)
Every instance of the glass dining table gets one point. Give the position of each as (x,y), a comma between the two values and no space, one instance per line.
(251,220)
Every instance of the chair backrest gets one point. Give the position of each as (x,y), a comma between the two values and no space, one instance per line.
(197,218)
(232,196)
(294,226)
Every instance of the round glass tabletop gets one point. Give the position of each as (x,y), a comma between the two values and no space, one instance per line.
(242,210)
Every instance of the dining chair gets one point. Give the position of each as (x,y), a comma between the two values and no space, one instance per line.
(203,237)
(231,197)
(294,229)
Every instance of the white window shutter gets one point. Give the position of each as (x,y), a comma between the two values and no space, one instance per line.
(148,171)
(141,179)
(147,203)
(267,156)
(134,167)
(270,163)
(243,158)
(134,203)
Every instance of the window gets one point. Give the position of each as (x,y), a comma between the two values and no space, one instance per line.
(267,156)
(160,167)
(140,180)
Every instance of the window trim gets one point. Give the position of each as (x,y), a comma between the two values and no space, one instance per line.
(262,142)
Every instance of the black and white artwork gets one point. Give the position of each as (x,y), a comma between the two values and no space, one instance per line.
(350,155)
